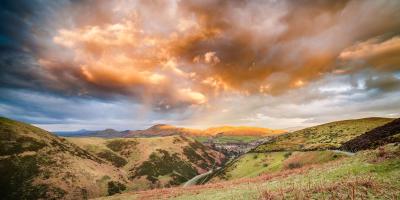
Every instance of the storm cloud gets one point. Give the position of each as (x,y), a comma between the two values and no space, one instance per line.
(175,56)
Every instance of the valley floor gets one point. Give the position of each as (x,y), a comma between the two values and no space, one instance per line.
(371,174)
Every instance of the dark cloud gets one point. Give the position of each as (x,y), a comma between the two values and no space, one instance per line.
(21,22)
(384,83)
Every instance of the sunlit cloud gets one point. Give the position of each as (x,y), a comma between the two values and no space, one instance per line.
(201,57)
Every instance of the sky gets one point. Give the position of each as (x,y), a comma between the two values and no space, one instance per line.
(95,64)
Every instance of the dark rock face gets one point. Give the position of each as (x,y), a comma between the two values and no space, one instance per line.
(376,137)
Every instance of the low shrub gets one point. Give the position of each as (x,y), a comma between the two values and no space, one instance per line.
(119,145)
(287,154)
(113,158)
(162,163)
(115,187)
(294,165)
(381,152)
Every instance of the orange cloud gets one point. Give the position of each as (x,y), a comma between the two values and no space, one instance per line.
(381,54)
(187,52)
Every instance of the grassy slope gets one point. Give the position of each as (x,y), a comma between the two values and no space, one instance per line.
(254,164)
(154,162)
(372,174)
(36,164)
(251,165)
(101,146)
(325,136)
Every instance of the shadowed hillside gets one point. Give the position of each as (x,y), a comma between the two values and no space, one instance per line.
(388,133)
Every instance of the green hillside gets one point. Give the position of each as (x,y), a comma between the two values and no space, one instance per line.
(326,136)
(255,164)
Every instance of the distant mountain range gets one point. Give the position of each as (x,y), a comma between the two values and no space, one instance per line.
(106,133)
(168,130)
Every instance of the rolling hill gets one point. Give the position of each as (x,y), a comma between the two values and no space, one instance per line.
(106,133)
(241,131)
(161,130)
(164,130)
(35,164)
(305,167)
(326,136)
(156,161)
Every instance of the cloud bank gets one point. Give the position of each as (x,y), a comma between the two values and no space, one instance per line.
(190,56)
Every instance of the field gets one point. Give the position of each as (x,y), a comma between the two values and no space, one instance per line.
(372,174)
